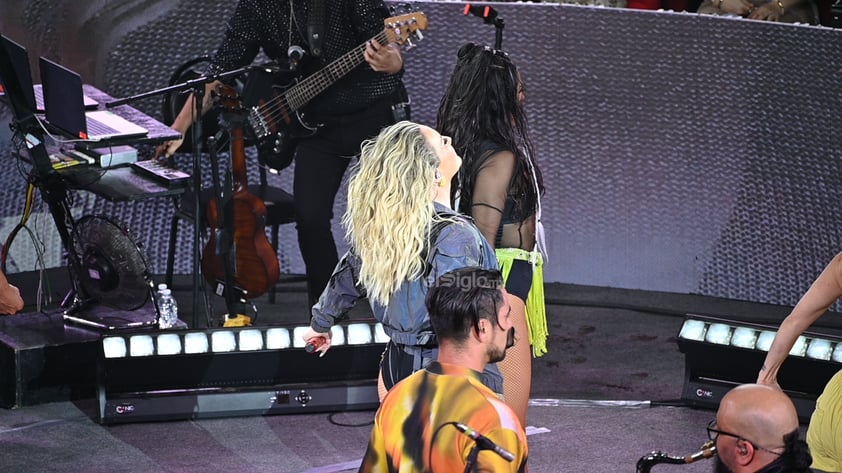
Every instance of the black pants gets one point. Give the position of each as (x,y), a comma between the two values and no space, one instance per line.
(320,163)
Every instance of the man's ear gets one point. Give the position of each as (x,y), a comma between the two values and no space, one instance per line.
(745,452)
(483,328)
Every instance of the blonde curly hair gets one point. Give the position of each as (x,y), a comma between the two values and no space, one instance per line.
(390,208)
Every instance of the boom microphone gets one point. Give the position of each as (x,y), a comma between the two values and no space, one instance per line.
(483,442)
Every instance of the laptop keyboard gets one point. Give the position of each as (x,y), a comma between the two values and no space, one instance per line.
(97,128)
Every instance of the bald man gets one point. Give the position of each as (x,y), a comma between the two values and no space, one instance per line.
(756,430)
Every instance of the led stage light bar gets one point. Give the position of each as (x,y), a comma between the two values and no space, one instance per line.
(187,374)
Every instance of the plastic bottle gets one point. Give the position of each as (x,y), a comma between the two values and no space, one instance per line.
(161,287)
(168,310)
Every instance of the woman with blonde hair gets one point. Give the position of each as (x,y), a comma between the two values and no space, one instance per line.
(403,235)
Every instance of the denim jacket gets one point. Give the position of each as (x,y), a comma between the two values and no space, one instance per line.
(405,320)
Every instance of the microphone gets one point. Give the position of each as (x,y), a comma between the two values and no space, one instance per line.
(314,344)
(295,53)
(483,442)
(486,12)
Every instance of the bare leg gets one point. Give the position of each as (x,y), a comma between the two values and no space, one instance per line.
(517,366)
(381,386)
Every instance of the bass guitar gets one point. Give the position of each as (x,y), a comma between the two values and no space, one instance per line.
(278,123)
(238,253)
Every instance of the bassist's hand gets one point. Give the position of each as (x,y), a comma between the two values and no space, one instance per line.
(381,58)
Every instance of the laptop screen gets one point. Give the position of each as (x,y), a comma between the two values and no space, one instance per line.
(20,63)
(63,103)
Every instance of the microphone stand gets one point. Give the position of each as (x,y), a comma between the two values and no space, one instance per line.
(489,16)
(198,89)
(498,33)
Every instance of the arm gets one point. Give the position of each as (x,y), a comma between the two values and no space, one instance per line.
(826,289)
(490,191)
(339,297)
(185,120)
(10,300)
(239,47)
(491,462)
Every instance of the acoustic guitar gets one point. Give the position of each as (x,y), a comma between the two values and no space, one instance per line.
(246,250)
(278,123)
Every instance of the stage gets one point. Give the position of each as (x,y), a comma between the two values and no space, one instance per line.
(608,392)
(655,208)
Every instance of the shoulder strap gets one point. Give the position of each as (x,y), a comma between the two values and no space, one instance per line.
(316,26)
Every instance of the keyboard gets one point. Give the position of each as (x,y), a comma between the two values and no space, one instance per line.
(97,128)
(160,172)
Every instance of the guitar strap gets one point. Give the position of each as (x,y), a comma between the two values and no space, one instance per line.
(316,26)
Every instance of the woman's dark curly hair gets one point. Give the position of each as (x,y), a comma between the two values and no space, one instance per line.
(482,105)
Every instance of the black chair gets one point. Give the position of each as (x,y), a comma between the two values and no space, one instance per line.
(279,203)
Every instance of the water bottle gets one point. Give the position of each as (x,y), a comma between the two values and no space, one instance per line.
(168,310)
(161,287)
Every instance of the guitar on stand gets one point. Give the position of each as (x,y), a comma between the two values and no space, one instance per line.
(278,123)
(238,257)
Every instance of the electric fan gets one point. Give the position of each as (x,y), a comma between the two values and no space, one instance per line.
(113,270)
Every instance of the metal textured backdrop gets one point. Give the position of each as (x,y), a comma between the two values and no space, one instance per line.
(681,153)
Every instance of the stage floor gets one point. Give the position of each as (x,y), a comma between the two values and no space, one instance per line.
(607,393)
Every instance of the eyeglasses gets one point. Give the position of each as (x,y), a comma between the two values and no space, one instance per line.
(713,433)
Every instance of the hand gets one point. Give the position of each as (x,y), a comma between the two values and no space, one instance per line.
(383,58)
(167,149)
(768,11)
(737,7)
(311,335)
(10,300)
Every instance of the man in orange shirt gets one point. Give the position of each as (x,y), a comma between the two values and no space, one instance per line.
(442,417)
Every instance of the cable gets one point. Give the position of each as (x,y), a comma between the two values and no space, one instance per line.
(27,210)
(340,424)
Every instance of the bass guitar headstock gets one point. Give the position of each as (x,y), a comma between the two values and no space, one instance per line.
(406,28)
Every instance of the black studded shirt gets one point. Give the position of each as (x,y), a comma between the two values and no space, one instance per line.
(275,25)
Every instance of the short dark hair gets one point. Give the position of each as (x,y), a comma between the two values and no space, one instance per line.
(459,298)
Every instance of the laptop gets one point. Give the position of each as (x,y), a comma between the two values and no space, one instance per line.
(33,94)
(65,109)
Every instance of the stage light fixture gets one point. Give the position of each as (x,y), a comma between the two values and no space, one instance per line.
(720,354)
(185,374)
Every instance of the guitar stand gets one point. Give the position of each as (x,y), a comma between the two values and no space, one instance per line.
(234,296)
(197,87)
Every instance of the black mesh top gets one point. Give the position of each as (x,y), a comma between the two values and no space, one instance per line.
(267,24)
